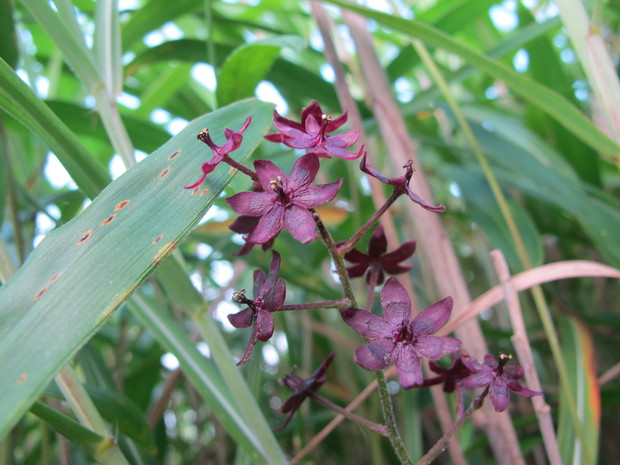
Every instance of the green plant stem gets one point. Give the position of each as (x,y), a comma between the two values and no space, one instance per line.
(384,396)
(371,425)
(348,245)
(340,303)
(539,298)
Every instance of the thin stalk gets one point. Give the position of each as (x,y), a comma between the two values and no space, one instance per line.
(440,445)
(340,303)
(7,267)
(371,425)
(384,396)
(240,167)
(537,294)
(348,245)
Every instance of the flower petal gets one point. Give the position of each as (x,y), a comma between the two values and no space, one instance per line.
(499,394)
(435,347)
(244,224)
(303,172)
(376,355)
(378,243)
(366,324)
(242,319)
(267,172)
(344,139)
(482,379)
(251,203)
(300,223)
(275,297)
(263,325)
(432,318)
(395,301)
(358,270)
(274,269)
(269,226)
(408,367)
(355,256)
(259,283)
(405,251)
(311,196)
(417,199)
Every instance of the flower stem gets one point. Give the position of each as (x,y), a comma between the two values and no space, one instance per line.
(340,303)
(348,245)
(384,395)
(240,167)
(371,425)
(439,447)
(338,260)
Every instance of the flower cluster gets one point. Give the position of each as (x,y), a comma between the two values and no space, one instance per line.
(277,202)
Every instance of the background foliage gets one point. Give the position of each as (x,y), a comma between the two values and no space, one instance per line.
(88,88)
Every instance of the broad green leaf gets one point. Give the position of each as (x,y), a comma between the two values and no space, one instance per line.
(482,207)
(17,99)
(580,358)
(248,65)
(8,36)
(75,279)
(548,100)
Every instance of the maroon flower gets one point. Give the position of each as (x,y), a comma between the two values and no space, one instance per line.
(269,294)
(246,225)
(286,201)
(376,257)
(233,142)
(497,378)
(302,388)
(311,133)
(401,184)
(451,376)
(397,337)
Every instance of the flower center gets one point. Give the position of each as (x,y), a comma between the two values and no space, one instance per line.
(278,188)
(403,334)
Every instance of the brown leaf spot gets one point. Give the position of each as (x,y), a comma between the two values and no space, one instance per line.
(158,238)
(108,220)
(164,252)
(22,378)
(85,237)
(174,154)
(121,205)
(39,294)
(164,173)
(196,190)
(204,191)
(54,278)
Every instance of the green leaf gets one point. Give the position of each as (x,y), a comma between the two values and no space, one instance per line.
(8,35)
(17,99)
(548,100)
(247,66)
(84,270)
(580,357)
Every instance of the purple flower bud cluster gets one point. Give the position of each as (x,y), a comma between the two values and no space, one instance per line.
(278,201)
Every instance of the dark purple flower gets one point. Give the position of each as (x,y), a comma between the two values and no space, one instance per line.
(302,388)
(498,378)
(397,337)
(311,133)
(246,225)
(269,294)
(285,201)
(401,184)
(376,256)
(450,376)
(233,142)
